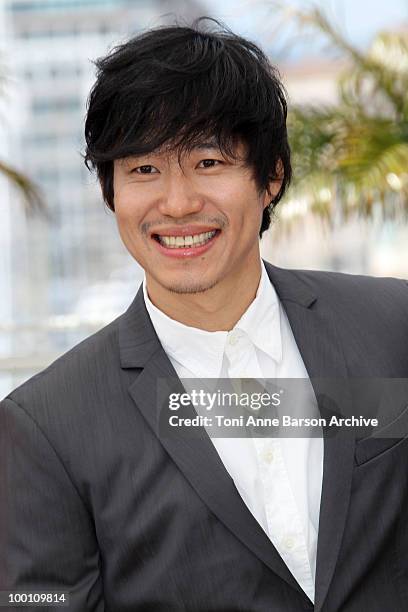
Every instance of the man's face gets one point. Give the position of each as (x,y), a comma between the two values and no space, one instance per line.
(191,224)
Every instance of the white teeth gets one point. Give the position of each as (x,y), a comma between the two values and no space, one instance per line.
(185,241)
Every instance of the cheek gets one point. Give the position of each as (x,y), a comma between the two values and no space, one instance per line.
(123,227)
(133,203)
(246,210)
(127,219)
(128,209)
(123,220)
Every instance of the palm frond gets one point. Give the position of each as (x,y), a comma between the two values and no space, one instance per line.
(32,195)
(375,63)
(352,156)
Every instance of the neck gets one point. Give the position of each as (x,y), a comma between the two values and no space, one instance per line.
(211,310)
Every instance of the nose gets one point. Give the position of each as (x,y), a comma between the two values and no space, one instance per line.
(181,197)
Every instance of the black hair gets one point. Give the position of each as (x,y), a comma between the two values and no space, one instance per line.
(177,85)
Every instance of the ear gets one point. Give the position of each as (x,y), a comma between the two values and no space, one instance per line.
(274,184)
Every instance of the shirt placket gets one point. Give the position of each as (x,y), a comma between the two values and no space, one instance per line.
(280,505)
(282,514)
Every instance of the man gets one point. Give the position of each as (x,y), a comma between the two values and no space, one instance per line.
(186,129)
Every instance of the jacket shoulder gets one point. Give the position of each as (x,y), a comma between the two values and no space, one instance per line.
(369,310)
(385,291)
(357,298)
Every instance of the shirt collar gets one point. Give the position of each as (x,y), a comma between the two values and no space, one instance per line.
(201,351)
(261,320)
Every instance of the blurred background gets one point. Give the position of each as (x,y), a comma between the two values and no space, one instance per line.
(63,270)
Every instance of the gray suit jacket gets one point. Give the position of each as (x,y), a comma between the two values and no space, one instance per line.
(94,501)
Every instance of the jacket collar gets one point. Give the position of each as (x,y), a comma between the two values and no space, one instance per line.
(138,340)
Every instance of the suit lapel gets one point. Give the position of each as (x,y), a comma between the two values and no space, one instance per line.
(314,327)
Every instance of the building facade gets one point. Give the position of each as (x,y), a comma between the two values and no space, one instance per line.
(66,269)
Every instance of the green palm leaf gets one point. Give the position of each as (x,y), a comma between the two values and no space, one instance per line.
(353,155)
(33,199)
(32,194)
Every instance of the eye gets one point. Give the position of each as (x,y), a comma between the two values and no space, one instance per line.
(145,169)
(209,163)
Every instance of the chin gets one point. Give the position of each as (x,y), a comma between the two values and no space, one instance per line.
(192,287)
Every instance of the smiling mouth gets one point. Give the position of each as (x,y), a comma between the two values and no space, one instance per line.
(182,242)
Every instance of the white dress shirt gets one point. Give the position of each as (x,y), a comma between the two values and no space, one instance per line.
(279,479)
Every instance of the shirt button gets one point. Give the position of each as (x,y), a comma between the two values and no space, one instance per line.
(289,542)
(233,339)
(268,456)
